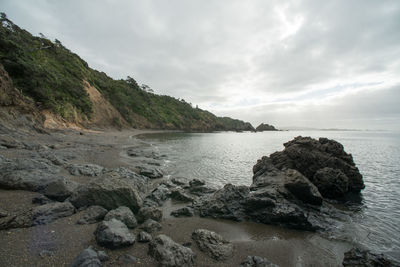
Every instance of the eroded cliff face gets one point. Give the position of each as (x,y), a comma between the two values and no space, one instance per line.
(16,110)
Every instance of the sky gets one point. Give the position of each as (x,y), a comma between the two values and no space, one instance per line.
(319,64)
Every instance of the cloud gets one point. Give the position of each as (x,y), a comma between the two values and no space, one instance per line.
(238,55)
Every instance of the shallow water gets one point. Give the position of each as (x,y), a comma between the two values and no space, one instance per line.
(228,157)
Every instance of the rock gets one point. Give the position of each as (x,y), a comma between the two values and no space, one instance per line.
(93,214)
(124,214)
(127,259)
(265,127)
(226,203)
(41,200)
(212,244)
(144,237)
(308,155)
(179,181)
(151,226)
(158,196)
(3,213)
(113,234)
(87,258)
(255,261)
(151,173)
(50,212)
(302,188)
(103,256)
(199,188)
(357,257)
(153,213)
(10,142)
(180,195)
(183,212)
(59,189)
(117,188)
(20,219)
(46,253)
(169,253)
(85,169)
(332,183)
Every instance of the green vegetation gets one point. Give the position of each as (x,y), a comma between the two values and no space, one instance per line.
(53,76)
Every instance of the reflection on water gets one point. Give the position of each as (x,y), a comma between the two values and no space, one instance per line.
(228,157)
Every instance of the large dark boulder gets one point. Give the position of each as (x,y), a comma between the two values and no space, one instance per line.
(169,253)
(308,156)
(119,187)
(213,244)
(113,234)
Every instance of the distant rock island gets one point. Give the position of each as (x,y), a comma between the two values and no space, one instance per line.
(265,127)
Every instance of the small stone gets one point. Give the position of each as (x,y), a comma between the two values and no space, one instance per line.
(144,237)
(213,244)
(151,226)
(153,213)
(46,253)
(127,259)
(113,234)
(183,212)
(124,214)
(102,256)
(87,258)
(255,261)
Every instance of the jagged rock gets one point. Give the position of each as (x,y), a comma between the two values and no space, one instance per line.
(144,237)
(10,142)
(151,173)
(50,212)
(332,183)
(158,196)
(113,234)
(20,219)
(87,258)
(199,188)
(41,200)
(180,195)
(127,259)
(302,188)
(124,214)
(85,169)
(120,187)
(151,226)
(255,261)
(308,155)
(179,181)
(3,213)
(153,213)
(226,203)
(213,244)
(93,214)
(183,212)
(169,253)
(357,257)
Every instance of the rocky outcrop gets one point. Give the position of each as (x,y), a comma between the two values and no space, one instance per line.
(255,261)
(123,214)
(309,156)
(358,257)
(265,127)
(113,234)
(213,244)
(169,253)
(93,214)
(282,193)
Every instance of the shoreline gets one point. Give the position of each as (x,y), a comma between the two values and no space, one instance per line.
(66,240)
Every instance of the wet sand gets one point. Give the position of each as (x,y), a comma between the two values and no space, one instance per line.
(65,239)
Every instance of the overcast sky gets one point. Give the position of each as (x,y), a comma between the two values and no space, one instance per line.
(326,64)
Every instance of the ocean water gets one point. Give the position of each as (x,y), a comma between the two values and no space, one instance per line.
(228,157)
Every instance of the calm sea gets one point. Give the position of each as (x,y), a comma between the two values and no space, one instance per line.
(228,157)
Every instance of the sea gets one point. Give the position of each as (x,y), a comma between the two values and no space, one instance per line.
(228,157)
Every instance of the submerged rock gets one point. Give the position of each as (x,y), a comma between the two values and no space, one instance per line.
(255,261)
(151,173)
(169,253)
(113,234)
(124,214)
(213,244)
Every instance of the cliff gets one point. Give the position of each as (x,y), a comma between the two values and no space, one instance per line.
(68,92)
